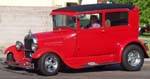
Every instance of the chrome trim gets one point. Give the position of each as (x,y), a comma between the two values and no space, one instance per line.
(31,36)
(29,40)
(51,64)
(19,45)
(134,58)
(34,39)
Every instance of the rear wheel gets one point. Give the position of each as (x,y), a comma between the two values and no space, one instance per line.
(49,64)
(132,58)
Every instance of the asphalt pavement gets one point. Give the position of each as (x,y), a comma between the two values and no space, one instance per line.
(106,72)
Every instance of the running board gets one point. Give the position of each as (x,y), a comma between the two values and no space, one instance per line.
(92,64)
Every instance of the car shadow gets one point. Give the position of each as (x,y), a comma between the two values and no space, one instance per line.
(16,70)
(67,70)
(116,67)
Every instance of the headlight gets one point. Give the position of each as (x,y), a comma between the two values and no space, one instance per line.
(34,46)
(19,45)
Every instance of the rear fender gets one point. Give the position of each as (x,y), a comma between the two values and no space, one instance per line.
(121,48)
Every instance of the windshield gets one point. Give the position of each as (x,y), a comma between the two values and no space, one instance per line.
(64,21)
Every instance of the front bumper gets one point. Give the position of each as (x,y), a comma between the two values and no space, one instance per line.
(20,59)
(27,65)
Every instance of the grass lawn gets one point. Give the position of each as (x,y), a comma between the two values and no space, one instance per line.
(146,37)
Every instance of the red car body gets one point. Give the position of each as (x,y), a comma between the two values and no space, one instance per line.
(79,48)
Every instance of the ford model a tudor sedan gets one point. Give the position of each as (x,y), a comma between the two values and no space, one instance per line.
(83,36)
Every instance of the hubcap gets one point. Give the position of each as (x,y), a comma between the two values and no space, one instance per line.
(51,64)
(134,58)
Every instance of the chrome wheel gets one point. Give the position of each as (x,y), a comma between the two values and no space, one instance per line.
(134,58)
(51,64)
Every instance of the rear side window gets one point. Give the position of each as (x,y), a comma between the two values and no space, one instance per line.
(116,19)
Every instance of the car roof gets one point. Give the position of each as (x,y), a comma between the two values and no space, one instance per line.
(92,7)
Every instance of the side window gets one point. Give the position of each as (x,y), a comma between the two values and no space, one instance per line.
(89,21)
(116,19)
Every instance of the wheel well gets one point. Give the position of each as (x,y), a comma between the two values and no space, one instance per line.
(62,62)
(10,53)
(135,43)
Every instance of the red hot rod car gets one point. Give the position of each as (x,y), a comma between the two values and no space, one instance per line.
(83,36)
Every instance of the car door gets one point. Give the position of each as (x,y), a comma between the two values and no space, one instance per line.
(117,26)
(93,41)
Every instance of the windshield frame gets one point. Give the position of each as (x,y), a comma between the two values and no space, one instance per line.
(55,26)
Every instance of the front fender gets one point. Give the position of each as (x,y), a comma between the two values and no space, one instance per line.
(39,53)
(42,51)
(10,49)
(18,55)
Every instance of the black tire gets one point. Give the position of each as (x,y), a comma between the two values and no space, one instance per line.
(132,58)
(34,61)
(43,69)
(10,58)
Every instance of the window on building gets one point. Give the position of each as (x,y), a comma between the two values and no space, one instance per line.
(117,19)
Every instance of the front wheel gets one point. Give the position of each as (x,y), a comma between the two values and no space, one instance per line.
(10,58)
(49,64)
(132,58)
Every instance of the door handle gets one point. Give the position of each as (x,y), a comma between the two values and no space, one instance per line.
(103,30)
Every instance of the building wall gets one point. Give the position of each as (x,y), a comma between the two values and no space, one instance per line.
(89,1)
(44,2)
(26,2)
(36,2)
(63,2)
(15,22)
(17,17)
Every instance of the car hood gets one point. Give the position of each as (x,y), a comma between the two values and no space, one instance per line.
(57,33)
(54,36)
(48,35)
